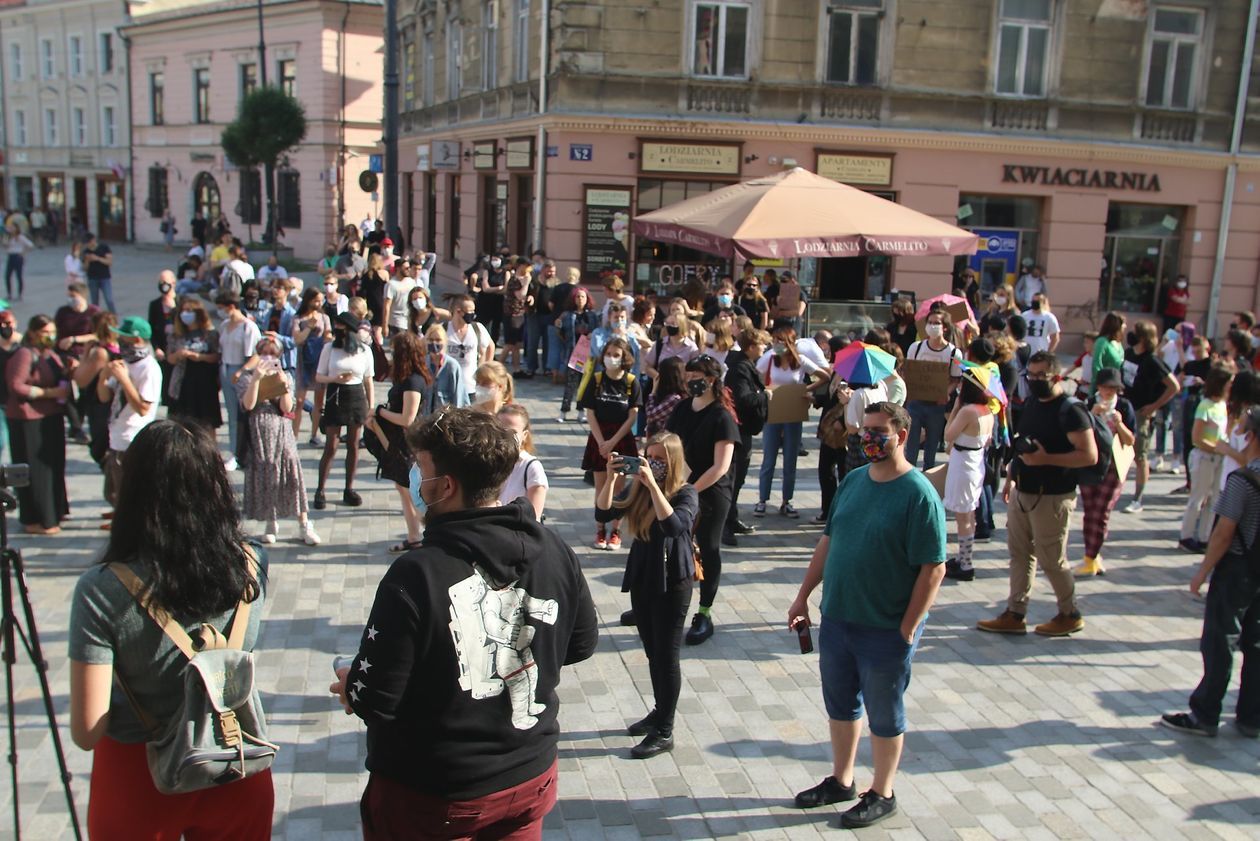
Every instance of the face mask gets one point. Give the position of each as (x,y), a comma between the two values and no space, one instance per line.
(164,288)
(520,439)
(1036,305)
(6,331)
(724,300)
(414,480)
(1181,284)
(1132,338)
(779,348)
(1108,405)
(620,324)
(222,313)
(660,469)
(1041,389)
(612,363)
(330,290)
(934,330)
(470,317)
(419,304)
(673,329)
(435,347)
(697,388)
(875,446)
(495,263)
(1000,300)
(72,302)
(133,353)
(188,317)
(485,393)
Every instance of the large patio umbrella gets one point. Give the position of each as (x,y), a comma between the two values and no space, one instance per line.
(800,214)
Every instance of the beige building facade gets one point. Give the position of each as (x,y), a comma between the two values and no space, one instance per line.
(1091,137)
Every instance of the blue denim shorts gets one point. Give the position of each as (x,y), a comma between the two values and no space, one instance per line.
(861,665)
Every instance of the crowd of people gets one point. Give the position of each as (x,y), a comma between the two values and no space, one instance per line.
(463,647)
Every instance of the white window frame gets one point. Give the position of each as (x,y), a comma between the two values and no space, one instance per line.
(101,52)
(78,125)
(50,128)
(489,44)
(429,65)
(751,42)
(1201,48)
(520,42)
(1025,25)
(74,55)
(883,47)
(454,59)
(15,61)
(109,126)
(47,59)
(19,127)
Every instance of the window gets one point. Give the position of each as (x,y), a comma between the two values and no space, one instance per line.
(288,200)
(50,127)
(15,59)
(157,98)
(74,55)
(721,40)
(430,63)
(286,71)
(489,45)
(107,52)
(1141,255)
(250,206)
(249,79)
(1170,72)
(201,95)
(109,128)
(853,41)
(78,125)
(1009,231)
(47,63)
(452,215)
(19,128)
(409,72)
(1023,47)
(454,59)
(520,42)
(159,197)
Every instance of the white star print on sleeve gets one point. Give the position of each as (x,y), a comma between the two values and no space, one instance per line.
(359,685)
(354,696)
(371,633)
(364,665)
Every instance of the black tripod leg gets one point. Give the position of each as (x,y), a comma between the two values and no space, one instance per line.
(30,639)
(8,623)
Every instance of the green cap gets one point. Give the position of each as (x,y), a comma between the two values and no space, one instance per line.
(135,327)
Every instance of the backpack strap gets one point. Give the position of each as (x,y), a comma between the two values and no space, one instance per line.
(173,630)
(240,619)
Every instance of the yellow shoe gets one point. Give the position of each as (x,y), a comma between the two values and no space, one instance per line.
(1090,567)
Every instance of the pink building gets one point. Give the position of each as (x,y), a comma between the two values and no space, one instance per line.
(190,66)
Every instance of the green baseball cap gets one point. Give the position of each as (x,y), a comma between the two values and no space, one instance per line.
(134,327)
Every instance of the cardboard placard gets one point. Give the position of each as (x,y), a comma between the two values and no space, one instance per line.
(789,403)
(937,477)
(581,353)
(1121,458)
(926,380)
(272,386)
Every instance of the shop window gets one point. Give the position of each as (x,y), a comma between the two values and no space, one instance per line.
(666,266)
(1141,255)
(1008,227)
(853,41)
(249,206)
(409,70)
(1172,50)
(249,79)
(720,40)
(493,213)
(201,95)
(159,197)
(289,200)
(1023,47)
(157,98)
(489,45)
(520,42)
(453,220)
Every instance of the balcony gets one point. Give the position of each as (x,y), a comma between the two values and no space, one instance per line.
(1019,115)
(706,98)
(1168,127)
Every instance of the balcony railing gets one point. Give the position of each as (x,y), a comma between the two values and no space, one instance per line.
(1165,127)
(1019,115)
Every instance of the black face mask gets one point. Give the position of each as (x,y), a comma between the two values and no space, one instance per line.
(470,317)
(1131,338)
(697,388)
(6,331)
(164,288)
(1041,389)
(672,329)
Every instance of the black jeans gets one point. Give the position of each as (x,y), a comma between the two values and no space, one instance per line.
(1231,618)
(715,503)
(660,618)
(742,458)
(830,472)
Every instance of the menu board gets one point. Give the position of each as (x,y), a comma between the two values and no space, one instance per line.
(606,229)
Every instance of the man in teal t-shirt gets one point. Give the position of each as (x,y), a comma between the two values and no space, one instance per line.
(879,580)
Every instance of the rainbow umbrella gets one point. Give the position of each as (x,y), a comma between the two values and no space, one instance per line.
(987,377)
(864,364)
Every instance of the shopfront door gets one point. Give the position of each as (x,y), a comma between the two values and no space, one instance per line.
(52,190)
(111,209)
(79,209)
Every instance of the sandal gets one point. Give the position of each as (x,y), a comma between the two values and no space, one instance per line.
(405,546)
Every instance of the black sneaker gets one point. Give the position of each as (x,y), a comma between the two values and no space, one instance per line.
(1187,723)
(1189,544)
(821,519)
(740,527)
(654,745)
(352,498)
(701,629)
(320,502)
(955,571)
(728,538)
(871,809)
(824,794)
(1246,730)
(643,726)
(627,618)
(984,536)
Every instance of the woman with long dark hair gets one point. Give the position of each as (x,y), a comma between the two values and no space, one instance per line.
(310,326)
(194,384)
(87,375)
(410,393)
(659,511)
(611,400)
(38,389)
(346,368)
(176,529)
(669,391)
(421,313)
(709,430)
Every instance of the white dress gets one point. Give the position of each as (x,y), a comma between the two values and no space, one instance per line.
(965,474)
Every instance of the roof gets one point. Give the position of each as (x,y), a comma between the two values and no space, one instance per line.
(154,11)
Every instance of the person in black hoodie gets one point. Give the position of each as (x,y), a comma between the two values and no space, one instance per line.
(457,668)
(752,404)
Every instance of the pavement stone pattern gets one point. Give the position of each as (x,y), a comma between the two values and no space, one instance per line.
(1026,738)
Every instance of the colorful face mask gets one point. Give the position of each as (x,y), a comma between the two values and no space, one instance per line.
(875,445)
(659,469)
(697,387)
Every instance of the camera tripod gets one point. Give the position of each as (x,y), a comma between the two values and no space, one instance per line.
(11,630)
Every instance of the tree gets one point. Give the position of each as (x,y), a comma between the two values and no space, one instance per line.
(268,124)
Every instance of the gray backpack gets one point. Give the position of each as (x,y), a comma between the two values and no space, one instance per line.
(219,733)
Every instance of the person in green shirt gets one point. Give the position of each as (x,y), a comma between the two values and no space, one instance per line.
(1108,347)
(879,580)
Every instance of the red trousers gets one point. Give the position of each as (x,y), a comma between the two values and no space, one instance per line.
(393,812)
(124,806)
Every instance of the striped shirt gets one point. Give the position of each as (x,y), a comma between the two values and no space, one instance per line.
(1240,503)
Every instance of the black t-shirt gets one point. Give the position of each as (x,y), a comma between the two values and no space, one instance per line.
(372,288)
(1049,422)
(700,432)
(1144,375)
(754,307)
(95,270)
(611,399)
(711,313)
(559,296)
(415,383)
(1197,368)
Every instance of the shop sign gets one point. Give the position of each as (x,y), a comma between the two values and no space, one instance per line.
(484,155)
(605,229)
(697,158)
(424,161)
(520,153)
(446,154)
(1103,179)
(864,170)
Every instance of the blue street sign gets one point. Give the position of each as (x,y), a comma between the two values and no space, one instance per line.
(581,152)
(376,163)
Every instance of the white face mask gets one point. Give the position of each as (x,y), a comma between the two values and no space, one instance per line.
(1108,404)
(1000,300)
(485,393)
(419,304)
(934,330)
(612,363)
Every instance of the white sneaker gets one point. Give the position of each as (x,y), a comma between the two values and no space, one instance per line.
(562,419)
(1175,470)
(309,535)
(1133,507)
(229,464)
(268,537)
(1160,466)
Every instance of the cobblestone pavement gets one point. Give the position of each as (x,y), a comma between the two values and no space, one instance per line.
(1010,737)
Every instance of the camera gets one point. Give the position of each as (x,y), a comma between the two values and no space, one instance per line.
(1023,444)
(15,475)
(629,465)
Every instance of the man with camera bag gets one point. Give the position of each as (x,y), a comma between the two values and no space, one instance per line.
(1054,438)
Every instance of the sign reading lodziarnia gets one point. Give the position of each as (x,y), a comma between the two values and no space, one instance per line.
(1058,176)
(694,158)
